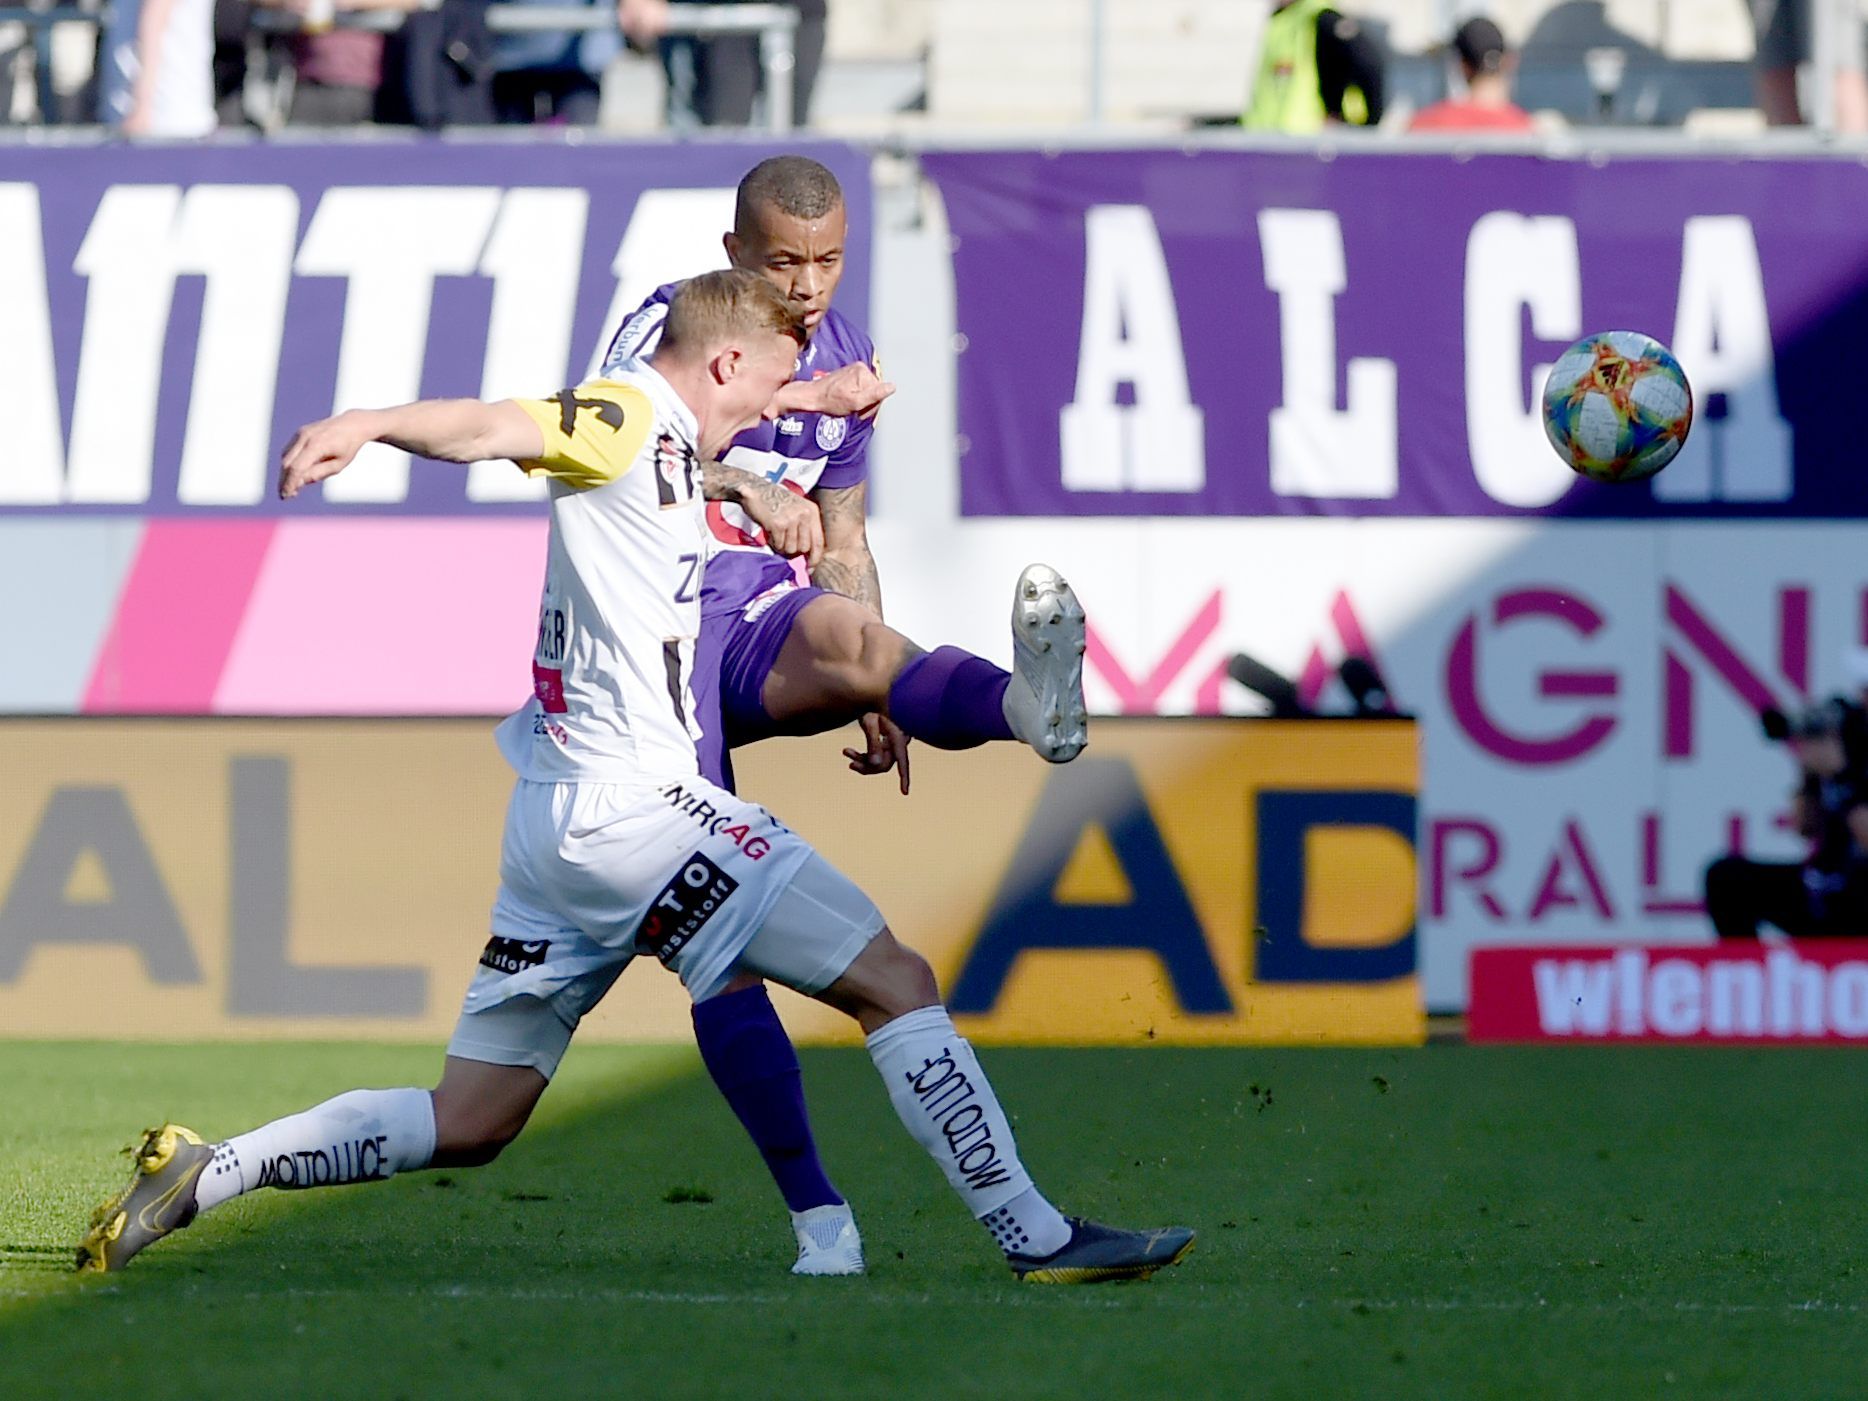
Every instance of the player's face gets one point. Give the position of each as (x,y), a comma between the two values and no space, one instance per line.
(749,374)
(803,258)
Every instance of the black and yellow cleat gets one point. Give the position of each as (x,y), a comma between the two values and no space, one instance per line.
(159,1199)
(1097,1253)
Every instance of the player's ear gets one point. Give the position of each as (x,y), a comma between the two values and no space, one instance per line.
(726,365)
(730,242)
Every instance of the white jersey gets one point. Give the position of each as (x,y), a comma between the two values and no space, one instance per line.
(612,698)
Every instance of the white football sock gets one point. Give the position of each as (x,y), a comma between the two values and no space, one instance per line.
(361,1136)
(1028,1225)
(945,1101)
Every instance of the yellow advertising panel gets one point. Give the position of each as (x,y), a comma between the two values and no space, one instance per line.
(1185,881)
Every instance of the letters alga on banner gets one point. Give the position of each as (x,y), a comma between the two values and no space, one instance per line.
(1186,881)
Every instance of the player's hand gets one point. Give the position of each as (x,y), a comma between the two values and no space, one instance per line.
(320,450)
(887,748)
(791,522)
(854,390)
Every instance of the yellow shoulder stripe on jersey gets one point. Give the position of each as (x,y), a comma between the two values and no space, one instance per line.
(592,433)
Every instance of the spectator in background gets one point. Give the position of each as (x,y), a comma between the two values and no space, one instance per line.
(1487,105)
(1316,67)
(1826,893)
(156,67)
(557,76)
(714,81)
(337,73)
(1783,30)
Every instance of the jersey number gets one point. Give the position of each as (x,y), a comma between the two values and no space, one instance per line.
(685,590)
(609,414)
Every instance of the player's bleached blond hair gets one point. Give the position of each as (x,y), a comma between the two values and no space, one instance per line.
(716,307)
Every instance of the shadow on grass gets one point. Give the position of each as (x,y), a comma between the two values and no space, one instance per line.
(634,1186)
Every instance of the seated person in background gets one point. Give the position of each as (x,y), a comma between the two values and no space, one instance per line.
(1827,892)
(1487,105)
(337,73)
(557,76)
(1317,67)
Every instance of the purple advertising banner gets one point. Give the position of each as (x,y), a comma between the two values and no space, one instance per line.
(172,314)
(1229,333)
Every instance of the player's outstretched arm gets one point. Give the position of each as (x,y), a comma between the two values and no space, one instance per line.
(449,430)
(850,391)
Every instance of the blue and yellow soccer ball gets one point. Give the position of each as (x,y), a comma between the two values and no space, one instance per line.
(1617,406)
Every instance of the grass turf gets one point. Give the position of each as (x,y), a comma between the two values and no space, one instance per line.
(1447,1222)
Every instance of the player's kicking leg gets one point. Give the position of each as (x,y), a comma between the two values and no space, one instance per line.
(837,661)
(360,1136)
(824,937)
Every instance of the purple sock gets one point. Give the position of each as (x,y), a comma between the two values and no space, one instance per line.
(950,699)
(755,1065)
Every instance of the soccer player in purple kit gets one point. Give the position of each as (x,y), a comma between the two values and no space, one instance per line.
(802,659)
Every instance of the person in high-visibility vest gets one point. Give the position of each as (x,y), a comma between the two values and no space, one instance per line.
(1317,66)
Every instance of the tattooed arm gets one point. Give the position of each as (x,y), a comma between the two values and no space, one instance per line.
(847,566)
(790,521)
(849,569)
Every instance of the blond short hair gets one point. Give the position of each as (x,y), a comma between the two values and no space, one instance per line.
(717,307)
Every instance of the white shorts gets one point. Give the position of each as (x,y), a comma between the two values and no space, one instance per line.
(593,874)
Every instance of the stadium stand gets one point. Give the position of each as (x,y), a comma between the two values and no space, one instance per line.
(898,64)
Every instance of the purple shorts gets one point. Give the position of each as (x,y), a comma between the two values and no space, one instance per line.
(737,651)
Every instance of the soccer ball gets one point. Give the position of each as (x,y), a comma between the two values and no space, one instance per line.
(1617,406)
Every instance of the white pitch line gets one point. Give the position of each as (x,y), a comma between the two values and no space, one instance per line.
(1719,1307)
(1168,1296)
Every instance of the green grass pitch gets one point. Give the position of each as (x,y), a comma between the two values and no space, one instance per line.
(1440,1223)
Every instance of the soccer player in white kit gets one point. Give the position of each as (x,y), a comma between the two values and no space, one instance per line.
(614,843)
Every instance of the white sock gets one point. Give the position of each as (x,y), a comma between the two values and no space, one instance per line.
(947,1104)
(361,1136)
(1028,1225)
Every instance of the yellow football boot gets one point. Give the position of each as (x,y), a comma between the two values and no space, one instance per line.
(159,1199)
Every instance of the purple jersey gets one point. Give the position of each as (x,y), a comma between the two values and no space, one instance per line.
(801,451)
